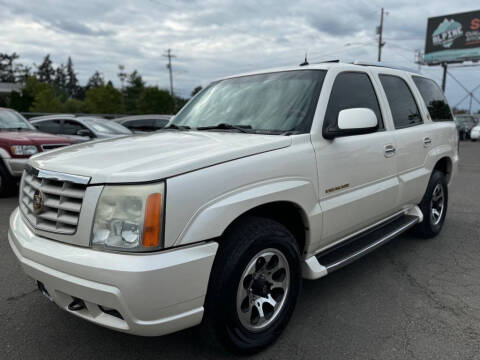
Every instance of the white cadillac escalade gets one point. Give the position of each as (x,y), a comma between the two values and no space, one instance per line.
(261,180)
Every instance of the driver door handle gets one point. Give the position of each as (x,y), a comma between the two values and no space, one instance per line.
(389,150)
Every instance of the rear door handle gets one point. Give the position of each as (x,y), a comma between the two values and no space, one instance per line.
(389,150)
(427,141)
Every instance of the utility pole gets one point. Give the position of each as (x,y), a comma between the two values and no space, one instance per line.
(444,78)
(169,67)
(380,33)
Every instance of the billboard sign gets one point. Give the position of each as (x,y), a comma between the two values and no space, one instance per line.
(453,38)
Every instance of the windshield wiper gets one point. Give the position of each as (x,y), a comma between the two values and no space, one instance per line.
(177,127)
(224,126)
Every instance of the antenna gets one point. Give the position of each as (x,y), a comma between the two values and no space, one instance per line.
(305,62)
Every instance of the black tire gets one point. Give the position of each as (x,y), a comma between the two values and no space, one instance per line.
(429,227)
(241,244)
(7,182)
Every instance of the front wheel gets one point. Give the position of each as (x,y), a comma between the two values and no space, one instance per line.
(434,206)
(254,286)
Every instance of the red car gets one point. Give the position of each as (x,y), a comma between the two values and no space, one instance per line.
(18,141)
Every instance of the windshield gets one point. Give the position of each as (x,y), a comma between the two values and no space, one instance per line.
(282,101)
(107,126)
(11,120)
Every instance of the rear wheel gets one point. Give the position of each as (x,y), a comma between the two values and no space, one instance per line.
(254,285)
(434,206)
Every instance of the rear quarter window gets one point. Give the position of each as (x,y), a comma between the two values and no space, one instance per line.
(434,99)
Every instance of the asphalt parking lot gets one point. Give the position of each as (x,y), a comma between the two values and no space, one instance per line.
(411,299)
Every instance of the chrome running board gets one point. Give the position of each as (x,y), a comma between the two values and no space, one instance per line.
(354,248)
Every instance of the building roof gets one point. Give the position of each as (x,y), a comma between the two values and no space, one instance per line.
(7,88)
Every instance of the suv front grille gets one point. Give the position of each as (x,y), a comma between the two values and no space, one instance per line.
(57,205)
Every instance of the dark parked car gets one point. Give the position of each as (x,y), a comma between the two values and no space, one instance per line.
(465,124)
(81,128)
(144,123)
(18,141)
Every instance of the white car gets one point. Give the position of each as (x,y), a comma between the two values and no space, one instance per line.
(261,180)
(475,133)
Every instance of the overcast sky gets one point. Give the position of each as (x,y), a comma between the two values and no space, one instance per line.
(213,38)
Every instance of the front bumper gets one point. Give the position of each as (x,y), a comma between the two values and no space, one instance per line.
(155,294)
(475,135)
(15,166)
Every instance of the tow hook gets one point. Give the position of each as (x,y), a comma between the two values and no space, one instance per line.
(76,305)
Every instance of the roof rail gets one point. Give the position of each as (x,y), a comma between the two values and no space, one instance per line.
(385,65)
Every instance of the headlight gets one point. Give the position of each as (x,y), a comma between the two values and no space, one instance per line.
(129,218)
(23,149)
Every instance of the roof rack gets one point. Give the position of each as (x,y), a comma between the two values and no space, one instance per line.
(385,65)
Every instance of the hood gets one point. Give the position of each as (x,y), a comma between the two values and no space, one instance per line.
(31,137)
(153,156)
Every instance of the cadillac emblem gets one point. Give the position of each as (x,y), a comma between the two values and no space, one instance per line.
(37,202)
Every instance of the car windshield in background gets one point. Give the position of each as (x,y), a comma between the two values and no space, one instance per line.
(274,102)
(107,126)
(10,120)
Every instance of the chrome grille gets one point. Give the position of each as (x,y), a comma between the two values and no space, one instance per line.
(61,202)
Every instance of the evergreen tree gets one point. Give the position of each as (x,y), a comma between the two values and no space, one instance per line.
(196,90)
(95,81)
(104,99)
(72,87)
(60,80)
(7,68)
(152,100)
(45,71)
(132,91)
(122,75)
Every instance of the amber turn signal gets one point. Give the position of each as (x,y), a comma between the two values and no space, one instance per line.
(153,219)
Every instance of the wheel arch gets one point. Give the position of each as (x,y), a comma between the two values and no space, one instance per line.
(444,165)
(286,213)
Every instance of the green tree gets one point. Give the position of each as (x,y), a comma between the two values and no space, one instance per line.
(104,100)
(132,91)
(60,81)
(7,67)
(46,101)
(196,90)
(95,81)
(72,87)
(45,71)
(74,106)
(152,100)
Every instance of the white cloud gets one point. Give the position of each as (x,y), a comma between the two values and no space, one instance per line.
(213,38)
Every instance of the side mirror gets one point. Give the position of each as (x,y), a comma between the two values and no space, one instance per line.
(354,121)
(84,132)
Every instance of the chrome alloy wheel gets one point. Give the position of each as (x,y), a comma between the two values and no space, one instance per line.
(437,204)
(263,289)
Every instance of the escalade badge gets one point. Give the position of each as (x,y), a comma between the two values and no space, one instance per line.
(37,202)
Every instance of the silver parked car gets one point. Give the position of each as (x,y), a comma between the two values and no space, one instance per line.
(144,123)
(81,128)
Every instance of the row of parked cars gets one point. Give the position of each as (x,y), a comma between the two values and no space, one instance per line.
(468,126)
(20,138)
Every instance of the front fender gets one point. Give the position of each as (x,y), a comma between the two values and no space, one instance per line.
(213,218)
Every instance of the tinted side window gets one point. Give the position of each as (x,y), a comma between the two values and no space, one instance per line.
(434,99)
(49,126)
(351,90)
(160,123)
(71,127)
(402,103)
(139,125)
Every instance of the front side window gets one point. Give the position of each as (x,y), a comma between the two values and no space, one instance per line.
(351,90)
(49,126)
(434,99)
(71,127)
(274,102)
(404,109)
